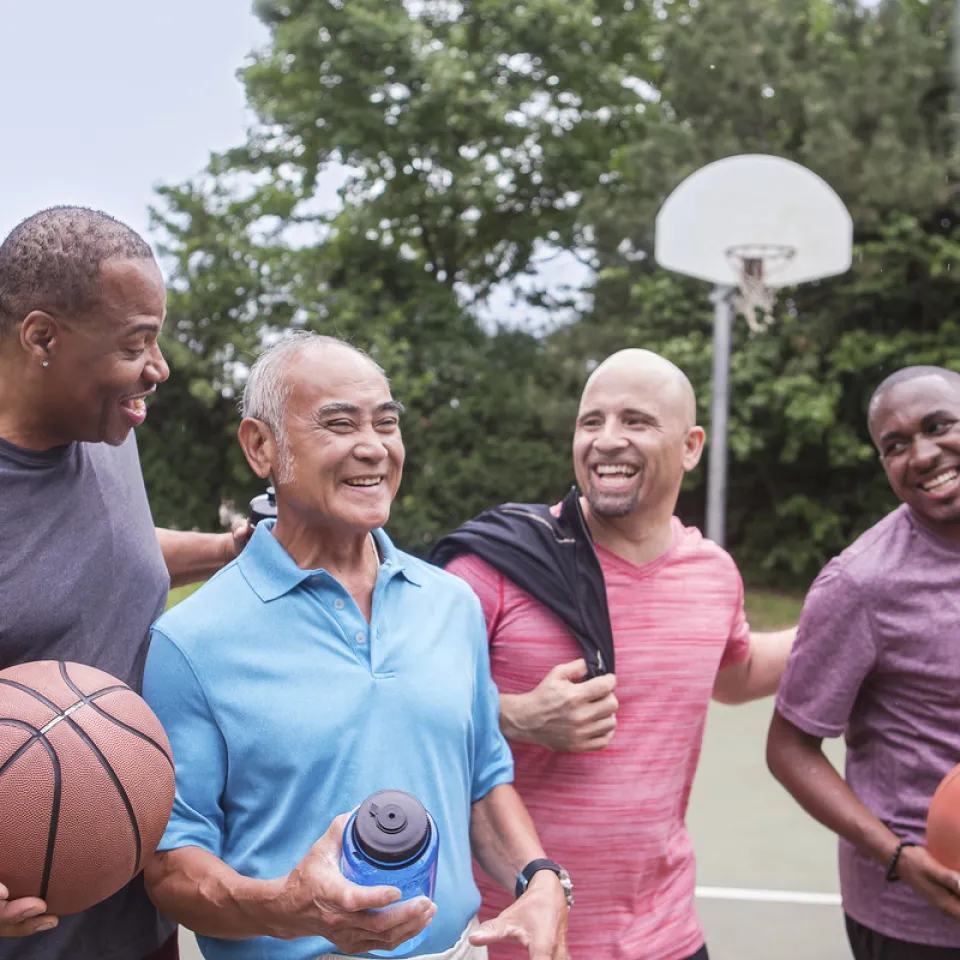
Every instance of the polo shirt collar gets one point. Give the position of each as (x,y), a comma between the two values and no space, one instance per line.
(271,572)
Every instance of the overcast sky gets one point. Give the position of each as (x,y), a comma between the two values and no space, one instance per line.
(102,100)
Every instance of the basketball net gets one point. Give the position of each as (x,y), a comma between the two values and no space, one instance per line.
(754,264)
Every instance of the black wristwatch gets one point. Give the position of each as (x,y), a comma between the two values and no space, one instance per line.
(535,866)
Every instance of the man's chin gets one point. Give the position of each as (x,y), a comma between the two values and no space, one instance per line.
(612,507)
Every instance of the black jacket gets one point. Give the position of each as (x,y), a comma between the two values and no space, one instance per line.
(552,559)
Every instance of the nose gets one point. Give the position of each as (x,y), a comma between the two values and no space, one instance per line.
(926,453)
(156,370)
(370,447)
(610,437)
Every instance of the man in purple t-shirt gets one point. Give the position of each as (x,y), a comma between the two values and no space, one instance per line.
(877,659)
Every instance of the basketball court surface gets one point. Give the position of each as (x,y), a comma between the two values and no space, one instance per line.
(766,872)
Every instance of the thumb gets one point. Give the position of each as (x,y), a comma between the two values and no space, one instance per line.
(573,671)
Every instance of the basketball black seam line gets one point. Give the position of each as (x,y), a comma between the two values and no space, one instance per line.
(111,773)
(138,843)
(40,737)
(88,700)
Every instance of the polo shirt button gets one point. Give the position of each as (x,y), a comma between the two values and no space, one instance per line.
(361,637)
(338,604)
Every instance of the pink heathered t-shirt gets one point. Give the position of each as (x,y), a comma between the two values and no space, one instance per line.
(877,659)
(615,818)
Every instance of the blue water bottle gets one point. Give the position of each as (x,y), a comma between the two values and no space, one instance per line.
(391,840)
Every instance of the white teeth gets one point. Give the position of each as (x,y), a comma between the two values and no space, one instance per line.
(939,480)
(614,469)
(364,482)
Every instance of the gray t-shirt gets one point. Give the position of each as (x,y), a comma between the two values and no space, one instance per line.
(877,659)
(81,578)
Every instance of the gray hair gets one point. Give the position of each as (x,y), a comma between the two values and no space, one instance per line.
(268,387)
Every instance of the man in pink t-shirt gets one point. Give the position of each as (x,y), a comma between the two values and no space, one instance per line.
(605,765)
(877,660)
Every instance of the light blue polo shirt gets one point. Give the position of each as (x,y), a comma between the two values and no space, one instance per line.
(285,708)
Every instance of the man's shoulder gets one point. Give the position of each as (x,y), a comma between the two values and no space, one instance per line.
(434,578)
(215,608)
(876,554)
(691,546)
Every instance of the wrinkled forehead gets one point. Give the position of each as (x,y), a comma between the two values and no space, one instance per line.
(334,374)
(904,407)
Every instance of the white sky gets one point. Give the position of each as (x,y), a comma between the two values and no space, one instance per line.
(103,100)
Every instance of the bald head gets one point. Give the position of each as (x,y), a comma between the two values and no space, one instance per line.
(636,437)
(647,368)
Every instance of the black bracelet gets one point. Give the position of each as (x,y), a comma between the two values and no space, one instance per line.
(892,875)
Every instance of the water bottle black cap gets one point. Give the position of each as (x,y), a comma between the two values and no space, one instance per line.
(391,827)
(263,507)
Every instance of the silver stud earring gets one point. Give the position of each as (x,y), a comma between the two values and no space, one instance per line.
(45,363)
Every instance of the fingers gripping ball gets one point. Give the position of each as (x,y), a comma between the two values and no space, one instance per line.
(943,821)
(86,784)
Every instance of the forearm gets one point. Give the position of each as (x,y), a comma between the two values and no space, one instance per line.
(502,835)
(798,762)
(198,890)
(759,676)
(193,557)
(516,720)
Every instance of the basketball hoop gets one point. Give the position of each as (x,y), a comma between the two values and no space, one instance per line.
(755,264)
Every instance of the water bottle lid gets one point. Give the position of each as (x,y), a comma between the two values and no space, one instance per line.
(263,507)
(391,827)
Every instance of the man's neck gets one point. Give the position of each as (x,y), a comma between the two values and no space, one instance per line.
(21,419)
(637,538)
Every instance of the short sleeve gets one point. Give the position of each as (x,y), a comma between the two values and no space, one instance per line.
(737,648)
(492,759)
(832,655)
(174,693)
(485,581)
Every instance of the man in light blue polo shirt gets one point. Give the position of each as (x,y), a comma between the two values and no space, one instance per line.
(321,666)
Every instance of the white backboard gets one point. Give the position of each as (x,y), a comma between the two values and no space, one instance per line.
(754,199)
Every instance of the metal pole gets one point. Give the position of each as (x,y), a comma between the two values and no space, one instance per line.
(717,465)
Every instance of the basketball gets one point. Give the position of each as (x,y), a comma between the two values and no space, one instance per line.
(86,784)
(943,821)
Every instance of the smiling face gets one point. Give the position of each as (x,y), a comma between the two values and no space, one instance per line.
(916,428)
(102,367)
(635,438)
(342,441)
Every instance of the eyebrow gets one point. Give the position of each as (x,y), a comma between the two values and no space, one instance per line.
(628,411)
(391,406)
(145,326)
(925,422)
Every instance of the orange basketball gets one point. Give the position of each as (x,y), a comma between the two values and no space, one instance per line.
(943,821)
(86,784)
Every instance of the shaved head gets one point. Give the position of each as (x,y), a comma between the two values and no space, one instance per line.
(645,365)
(636,437)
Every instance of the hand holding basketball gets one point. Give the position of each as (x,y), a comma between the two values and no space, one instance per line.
(937,884)
(21,918)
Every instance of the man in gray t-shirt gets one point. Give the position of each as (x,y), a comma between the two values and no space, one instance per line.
(83,572)
(877,659)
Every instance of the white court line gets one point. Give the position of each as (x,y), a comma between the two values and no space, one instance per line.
(768,896)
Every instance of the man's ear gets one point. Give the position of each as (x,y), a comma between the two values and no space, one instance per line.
(259,447)
(40,335)
(693,448)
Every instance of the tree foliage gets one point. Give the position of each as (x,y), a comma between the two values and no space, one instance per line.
(477,134)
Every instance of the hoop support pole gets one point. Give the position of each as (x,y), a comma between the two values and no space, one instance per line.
(721,297)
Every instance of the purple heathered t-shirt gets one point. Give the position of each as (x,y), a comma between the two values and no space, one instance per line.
(877,658)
